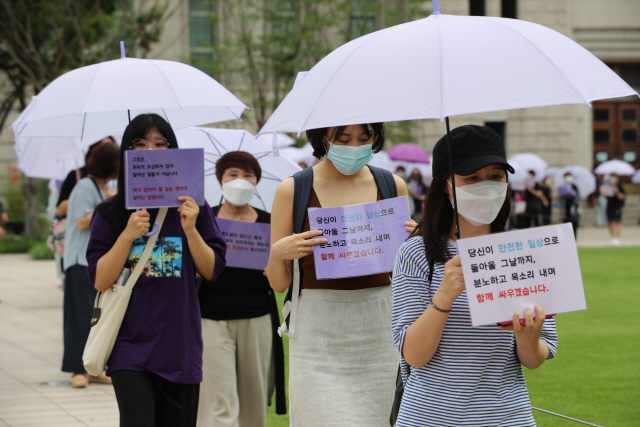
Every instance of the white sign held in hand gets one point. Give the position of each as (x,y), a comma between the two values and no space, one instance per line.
(505,273)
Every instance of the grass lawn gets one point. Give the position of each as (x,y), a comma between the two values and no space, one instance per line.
(596,375)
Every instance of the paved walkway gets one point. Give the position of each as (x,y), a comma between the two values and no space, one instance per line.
(33,391)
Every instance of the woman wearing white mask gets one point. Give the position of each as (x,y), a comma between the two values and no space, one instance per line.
(342,362)
(239,319)
(461,375)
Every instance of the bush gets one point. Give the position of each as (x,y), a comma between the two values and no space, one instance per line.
(15,245)
(41,251)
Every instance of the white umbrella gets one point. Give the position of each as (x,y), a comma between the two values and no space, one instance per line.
(518,180)
(217,142)
(442,66)
(284,140)
(583,178)
(636,177)
(531,161)
(299,155)
(614,166)
(99,99)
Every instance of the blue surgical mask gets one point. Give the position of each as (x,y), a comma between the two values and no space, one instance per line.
(348,159)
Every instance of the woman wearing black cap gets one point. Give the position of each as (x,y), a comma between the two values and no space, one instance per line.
(461,375)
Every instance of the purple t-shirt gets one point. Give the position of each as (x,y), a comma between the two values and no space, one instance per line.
(161,332)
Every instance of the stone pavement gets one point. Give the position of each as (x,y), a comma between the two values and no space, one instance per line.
(33,391)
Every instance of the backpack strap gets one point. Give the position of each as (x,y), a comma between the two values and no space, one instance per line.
(303,184)
(385,182)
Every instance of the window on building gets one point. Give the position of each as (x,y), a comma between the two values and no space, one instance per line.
(476,8)
(630,73)
(601,136)
(202,34)
(363,18)
(499,128)
(601,156)
(510,9)
(629,114)
(629,135)
(600,115)
(630,156)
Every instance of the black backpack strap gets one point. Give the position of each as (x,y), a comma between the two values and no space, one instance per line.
(302,186)
(385,182)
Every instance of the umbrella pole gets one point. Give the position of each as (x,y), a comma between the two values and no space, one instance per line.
(453,181)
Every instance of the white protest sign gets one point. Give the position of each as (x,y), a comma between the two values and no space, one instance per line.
(505,273)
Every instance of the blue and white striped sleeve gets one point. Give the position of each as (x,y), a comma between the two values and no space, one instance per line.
(410,290)
(550,337)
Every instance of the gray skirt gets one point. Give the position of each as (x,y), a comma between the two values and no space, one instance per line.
(342,362)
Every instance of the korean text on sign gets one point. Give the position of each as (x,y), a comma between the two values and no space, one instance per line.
(248,243)
(506,272)
(156,178)
(361,239)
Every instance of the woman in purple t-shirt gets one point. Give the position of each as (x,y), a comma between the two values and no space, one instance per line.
(156,362)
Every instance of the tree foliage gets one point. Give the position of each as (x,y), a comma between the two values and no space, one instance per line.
(265,43)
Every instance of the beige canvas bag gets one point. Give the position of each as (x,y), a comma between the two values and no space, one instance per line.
(109,310)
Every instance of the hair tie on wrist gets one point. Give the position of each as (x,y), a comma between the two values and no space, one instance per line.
(436,307)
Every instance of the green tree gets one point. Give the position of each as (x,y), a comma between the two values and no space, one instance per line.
(265,43)
(42,39)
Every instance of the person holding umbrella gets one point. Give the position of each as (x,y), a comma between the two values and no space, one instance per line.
(240,319)
(456,374)
(156,361)
(615,194)
(342,362)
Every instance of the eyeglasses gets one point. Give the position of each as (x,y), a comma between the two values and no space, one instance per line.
(158,143)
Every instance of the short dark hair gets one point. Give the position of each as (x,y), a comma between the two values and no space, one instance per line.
(238,159)
(104,161)
(437,218)
(316,137)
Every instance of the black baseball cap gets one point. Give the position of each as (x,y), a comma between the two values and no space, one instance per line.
(472,147)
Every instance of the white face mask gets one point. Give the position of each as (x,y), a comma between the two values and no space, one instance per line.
(481,202)
(238,192)
(568,179)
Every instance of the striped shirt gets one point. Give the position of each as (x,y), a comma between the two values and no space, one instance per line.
(474,378)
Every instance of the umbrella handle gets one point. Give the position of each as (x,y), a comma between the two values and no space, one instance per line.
(152,232)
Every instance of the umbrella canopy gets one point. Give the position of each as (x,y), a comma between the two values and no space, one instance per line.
(383,160)
(299,155)
(458,65)
(636,177)
(614,166)
(52,158)
(409,152)
(99,99)
(518,180)
(217,142)
(531,161)
(583,178)
(284,140)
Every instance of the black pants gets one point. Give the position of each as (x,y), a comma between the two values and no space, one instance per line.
(148,400)
(79,298)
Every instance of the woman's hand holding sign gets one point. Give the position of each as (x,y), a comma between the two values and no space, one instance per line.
(532,352)
(188,214)
(452,284)
(137,226)
(296,246)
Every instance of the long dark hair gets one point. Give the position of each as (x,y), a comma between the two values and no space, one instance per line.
(437,218)
(139,127)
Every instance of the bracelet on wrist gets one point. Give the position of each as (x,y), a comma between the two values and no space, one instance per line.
(432,304)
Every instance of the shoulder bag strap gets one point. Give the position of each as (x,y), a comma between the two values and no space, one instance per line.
(97,188)
(162,213)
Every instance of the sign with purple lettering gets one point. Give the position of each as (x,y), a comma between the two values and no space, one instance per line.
(361,239)
(156,178)
(248,243)
(505,273)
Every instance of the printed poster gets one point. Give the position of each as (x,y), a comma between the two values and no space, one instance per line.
(505,273)
(361,239)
